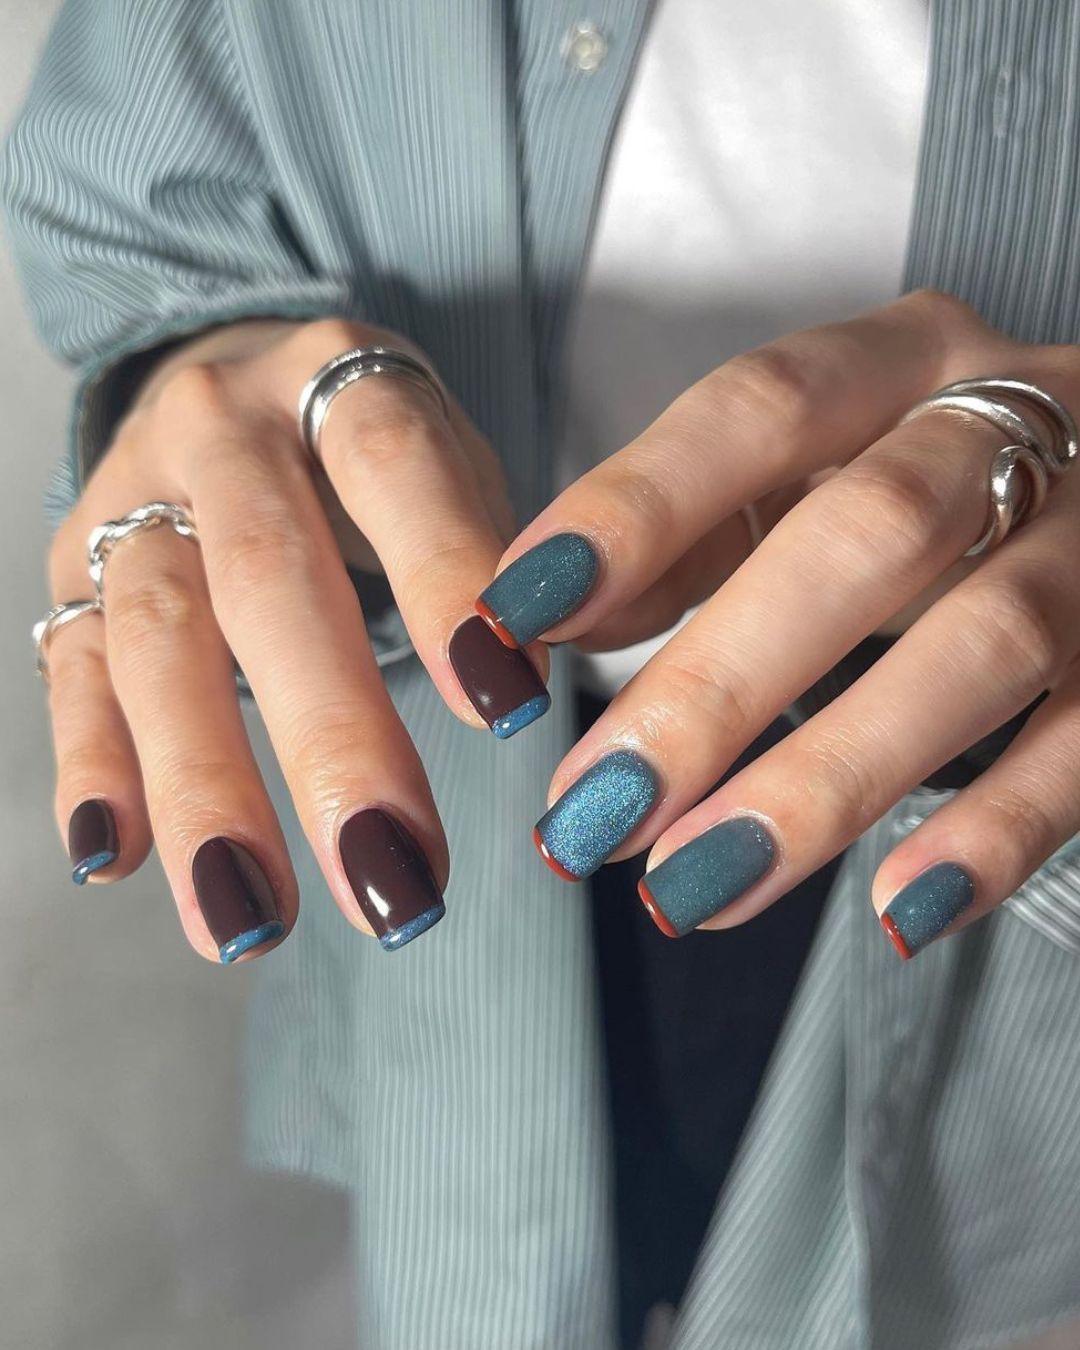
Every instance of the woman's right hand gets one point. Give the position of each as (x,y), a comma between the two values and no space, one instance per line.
(149,739)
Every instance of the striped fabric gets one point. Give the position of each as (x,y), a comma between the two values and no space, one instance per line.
(909,1178)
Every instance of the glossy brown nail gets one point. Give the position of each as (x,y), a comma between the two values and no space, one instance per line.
(390,877)
(92,839)
(501,682)
(236,898)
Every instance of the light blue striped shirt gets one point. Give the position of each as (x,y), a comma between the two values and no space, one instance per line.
(911,1174)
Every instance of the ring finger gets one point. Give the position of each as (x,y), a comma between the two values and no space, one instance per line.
(977,658)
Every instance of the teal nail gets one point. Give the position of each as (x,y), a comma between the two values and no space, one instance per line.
(926,906)
(540,589)
(707,874)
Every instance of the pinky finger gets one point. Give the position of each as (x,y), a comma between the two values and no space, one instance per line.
(99,802)
(985,842)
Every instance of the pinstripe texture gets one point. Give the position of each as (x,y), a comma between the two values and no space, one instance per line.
(910,1173)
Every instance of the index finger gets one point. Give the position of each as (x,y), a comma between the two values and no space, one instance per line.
(766,419)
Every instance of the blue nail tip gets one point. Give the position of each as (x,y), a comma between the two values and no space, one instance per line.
(542,587)
(928,904)
(519,718)
(88,866)
(598,812)
(398,937)
(254,937)
(708,873)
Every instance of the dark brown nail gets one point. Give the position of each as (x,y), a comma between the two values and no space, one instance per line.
(501,682)
(92,841)
(390,877)
(236,898)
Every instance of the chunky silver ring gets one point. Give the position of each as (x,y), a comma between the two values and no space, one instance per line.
(337,375)
(1021,472)
(58,617)
(105,537)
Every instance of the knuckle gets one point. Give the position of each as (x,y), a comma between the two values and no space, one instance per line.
(636,499)
(191,391)
(948,312)
(1013,634)
(391,422)
(321,752)
(714,694)
(776,380)
(1030,827)
(76,668)
(332,334)
(886,506)
(838,780)
(163,603)
(265,545)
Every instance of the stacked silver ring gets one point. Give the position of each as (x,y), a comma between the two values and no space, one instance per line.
(1042,446)
(100,544)
(344,370)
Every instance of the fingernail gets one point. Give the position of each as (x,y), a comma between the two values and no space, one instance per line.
(390,877)
(92,841)
(236,898)
(926,906)
(540,589)
(593,817)
(501,682)
(707,874)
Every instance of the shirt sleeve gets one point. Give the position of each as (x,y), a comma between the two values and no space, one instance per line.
(141,206)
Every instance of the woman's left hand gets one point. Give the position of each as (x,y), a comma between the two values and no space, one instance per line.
(630,546)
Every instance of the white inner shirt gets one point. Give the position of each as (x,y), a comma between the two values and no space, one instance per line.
(760,180)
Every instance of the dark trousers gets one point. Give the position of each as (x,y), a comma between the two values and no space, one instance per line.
(689,1026)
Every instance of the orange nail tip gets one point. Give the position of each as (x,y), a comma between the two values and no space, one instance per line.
(655,913)
(494,623)
(553,863)
(896,937)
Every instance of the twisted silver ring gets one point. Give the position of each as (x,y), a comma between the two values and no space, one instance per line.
(104,538)
(1021,472)
(58,617)
(337,375)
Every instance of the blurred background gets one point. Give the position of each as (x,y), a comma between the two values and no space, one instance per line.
(127,1220)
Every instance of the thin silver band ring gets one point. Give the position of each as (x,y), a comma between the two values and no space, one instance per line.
(56,618)
(344,370)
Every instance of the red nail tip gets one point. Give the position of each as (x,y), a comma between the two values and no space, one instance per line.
(658,917)
(497,627)
(897,939)
(553,863)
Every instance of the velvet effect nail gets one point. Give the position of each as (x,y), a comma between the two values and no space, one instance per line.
(390,877)
(593,816)
(707,874)
(501,682)
(540,589)
(236,898)
(92,840)
(926,906)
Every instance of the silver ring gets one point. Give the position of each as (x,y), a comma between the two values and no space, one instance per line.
(105,537)
(337,375)
(1021,472)
(58,617)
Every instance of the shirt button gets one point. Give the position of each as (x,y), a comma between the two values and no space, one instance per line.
(585,47)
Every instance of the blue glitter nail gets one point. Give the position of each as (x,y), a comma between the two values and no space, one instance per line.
(398,937)
(593,817)
(88,866)
(927,905)
(513,722)
(541,588)
(707,874)
(254,937)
